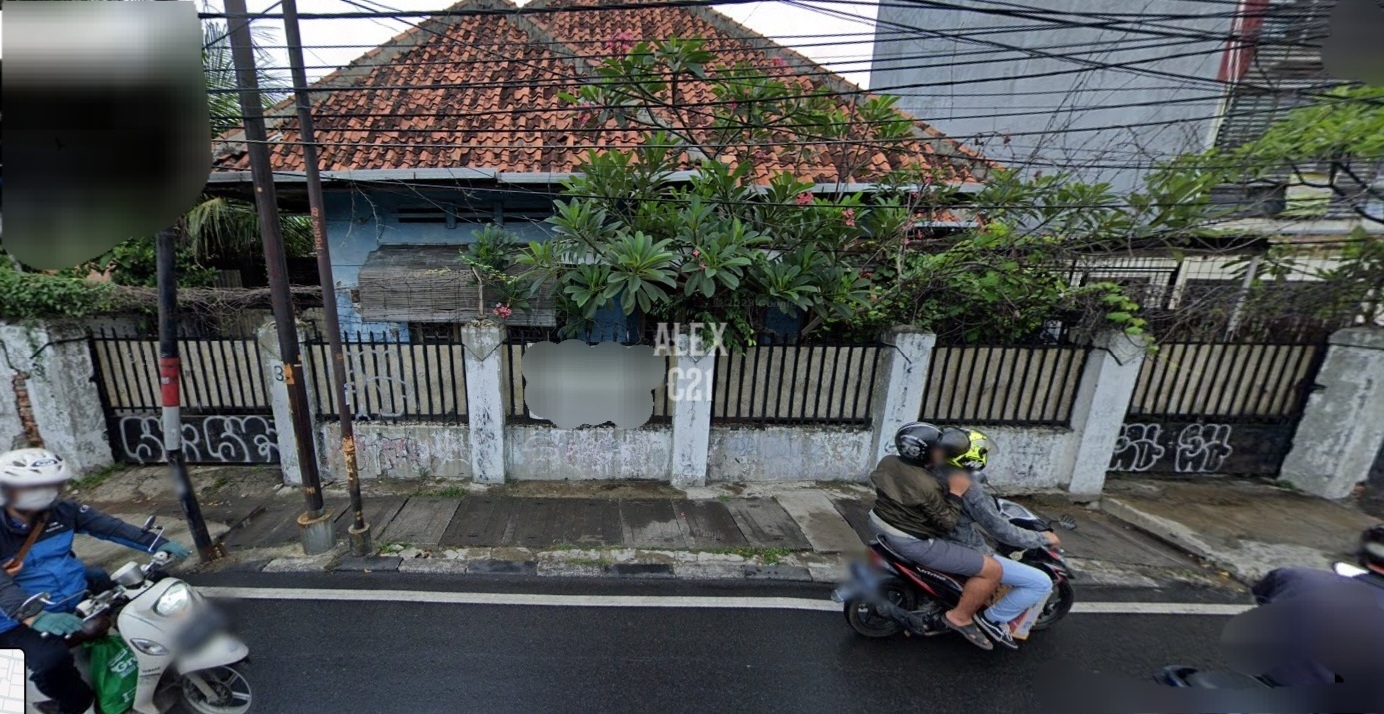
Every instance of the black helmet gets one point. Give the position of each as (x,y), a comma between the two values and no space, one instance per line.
(1372,548)
(914,441)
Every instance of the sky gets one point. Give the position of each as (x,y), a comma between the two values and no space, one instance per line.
(329,44)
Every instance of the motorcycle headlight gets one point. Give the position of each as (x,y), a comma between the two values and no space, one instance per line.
(147,647)
(174,600)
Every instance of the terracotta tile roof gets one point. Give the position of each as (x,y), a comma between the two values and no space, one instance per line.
(482,92)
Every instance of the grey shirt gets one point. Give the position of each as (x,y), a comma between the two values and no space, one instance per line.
(978,508)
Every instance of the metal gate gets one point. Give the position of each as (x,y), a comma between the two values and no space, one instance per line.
(1225,408)
(226,417)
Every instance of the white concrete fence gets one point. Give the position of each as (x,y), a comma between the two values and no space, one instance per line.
(1341,432)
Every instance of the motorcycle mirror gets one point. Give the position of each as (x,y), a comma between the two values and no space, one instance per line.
(33,606)
(149,523)
(1066,521)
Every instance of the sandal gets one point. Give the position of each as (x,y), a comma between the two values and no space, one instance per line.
(971,633)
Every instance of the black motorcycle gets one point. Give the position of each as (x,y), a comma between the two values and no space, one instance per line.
(891,594)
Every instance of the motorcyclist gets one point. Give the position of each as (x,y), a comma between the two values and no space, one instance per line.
(918,503)
(36,535)
(1321,628)
(1028,584)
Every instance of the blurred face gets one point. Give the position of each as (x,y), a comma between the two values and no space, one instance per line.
(36,498)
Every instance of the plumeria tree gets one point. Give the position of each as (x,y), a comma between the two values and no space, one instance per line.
(745,233)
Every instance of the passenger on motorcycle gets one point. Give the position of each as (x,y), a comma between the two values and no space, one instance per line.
(36,534)
(917,506)
(1029,584)
(1321,630)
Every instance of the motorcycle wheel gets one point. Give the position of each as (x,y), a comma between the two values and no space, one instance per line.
(866,622)
(1057,607)
(232,692)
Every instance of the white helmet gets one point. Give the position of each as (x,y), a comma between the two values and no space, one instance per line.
(24,468)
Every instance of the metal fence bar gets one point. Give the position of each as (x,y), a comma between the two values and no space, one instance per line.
(1002,384)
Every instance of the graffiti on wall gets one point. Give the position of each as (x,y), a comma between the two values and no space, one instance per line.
(382,385)
(244,439)
(1200,448)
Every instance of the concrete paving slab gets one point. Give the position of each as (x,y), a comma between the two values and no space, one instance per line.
(651,523)
(379,511)
(766,525)
(276,525)
(1243,527)
(535,522)
(111,555)
(709,525)
(825,528)
(856,511)
(1103,538)
(590,522)
(480,522)
(421,521)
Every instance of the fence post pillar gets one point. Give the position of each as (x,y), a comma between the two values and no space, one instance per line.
(48,384)
(1099,407)
(485,406)
(272,362)
(900,383)
(691,401)
(1342,427)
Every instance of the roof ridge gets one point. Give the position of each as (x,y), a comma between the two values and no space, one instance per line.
(233,141)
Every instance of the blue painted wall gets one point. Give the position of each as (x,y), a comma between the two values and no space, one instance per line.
(361,221)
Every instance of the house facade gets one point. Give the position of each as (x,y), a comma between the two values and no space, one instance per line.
(458,124)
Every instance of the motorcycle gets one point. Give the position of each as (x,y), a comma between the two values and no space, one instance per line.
(186,657)
(891,594)
(1191,677)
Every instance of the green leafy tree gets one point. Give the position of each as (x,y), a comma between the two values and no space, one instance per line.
(729,245)
(1336,145)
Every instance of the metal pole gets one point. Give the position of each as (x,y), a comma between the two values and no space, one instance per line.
(1238,311)
(360,530)
(170,388)
(318,536)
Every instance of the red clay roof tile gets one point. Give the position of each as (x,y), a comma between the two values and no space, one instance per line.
(483,93)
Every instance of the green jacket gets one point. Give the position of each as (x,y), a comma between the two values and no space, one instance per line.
(913,500)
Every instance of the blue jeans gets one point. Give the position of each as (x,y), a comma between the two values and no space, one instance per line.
(1029,586)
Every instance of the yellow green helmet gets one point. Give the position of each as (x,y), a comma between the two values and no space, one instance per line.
(976,457)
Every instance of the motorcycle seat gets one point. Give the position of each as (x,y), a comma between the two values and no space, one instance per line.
(1223,680)
(904,559)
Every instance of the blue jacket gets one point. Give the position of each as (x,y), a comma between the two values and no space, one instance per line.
(51,566)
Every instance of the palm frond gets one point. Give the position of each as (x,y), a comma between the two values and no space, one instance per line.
(219,67)
(219,226)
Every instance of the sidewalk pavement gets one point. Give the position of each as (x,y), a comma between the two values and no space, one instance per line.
(796,531)
(1243,527)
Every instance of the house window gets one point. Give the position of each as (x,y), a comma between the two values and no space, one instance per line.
(1303,199)
(420,332)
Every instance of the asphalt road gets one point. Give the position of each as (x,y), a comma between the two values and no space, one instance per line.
(386,657)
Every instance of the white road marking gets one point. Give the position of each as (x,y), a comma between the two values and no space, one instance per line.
(738,603)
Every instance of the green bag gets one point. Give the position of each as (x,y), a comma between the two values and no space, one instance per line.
(114,674)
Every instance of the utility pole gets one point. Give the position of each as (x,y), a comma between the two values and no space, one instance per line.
(360,530)
(318,536)
(170,388)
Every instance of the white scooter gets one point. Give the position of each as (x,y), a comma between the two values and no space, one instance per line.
(187,660)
